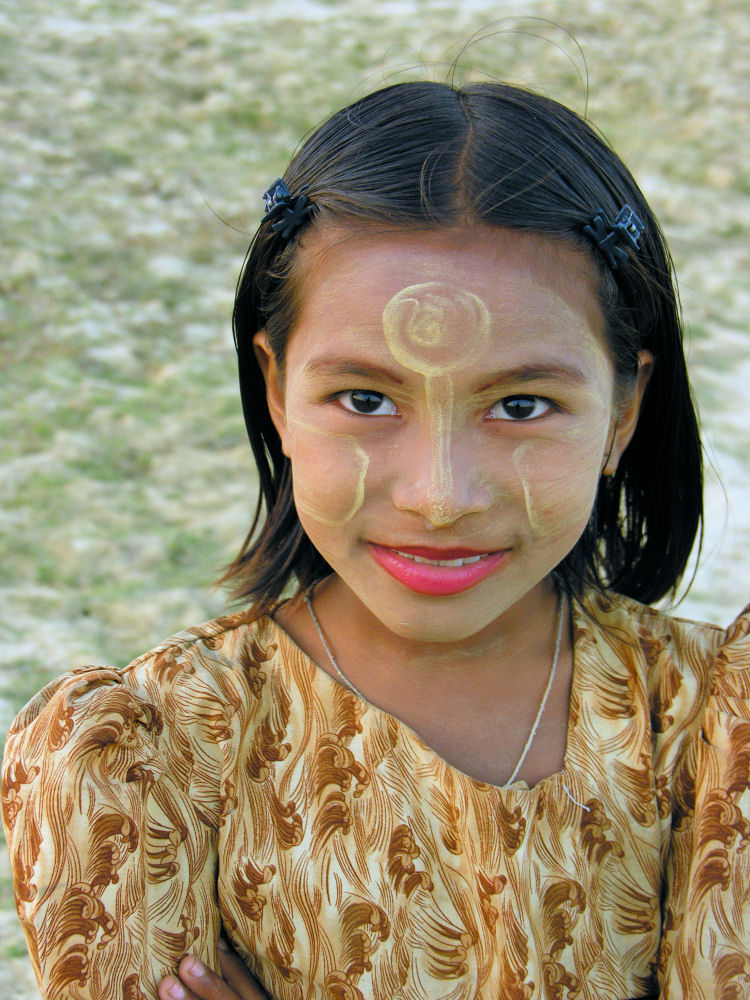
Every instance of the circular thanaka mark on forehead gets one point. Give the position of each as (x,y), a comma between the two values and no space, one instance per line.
(427,327)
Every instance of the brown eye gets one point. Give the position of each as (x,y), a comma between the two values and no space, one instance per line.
(367,403)
(520,408)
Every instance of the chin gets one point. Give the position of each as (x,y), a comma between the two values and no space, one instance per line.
(441,620)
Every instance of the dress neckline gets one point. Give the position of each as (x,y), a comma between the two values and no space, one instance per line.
(385,718)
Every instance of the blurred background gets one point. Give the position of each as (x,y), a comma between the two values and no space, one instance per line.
(135,142)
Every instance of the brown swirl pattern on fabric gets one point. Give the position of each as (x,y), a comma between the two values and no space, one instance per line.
(224,778)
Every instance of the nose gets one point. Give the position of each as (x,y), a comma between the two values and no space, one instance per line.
(440,480)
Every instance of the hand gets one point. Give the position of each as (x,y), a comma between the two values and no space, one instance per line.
(195,981)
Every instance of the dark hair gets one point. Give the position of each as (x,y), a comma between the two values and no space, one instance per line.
(428,155)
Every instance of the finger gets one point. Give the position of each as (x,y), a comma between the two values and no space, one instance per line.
(200,983)
(236,973)
(172,989)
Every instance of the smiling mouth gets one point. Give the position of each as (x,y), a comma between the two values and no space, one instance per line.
(460,561)
(437,572)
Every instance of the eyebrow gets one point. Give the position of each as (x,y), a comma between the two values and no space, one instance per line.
(344,366)
(536,373)
(523,373)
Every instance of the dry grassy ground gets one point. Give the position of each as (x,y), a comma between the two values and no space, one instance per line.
(124,474)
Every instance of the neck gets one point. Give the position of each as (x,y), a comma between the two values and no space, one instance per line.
(519,635)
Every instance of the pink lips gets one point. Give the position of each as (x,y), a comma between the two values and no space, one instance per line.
(430,578)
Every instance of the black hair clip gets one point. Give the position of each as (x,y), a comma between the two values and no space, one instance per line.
(290,213)
(616,241)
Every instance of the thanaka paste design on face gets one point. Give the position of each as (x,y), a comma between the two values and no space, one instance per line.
(429,328)
(319,508)
(539,505)
(518,457)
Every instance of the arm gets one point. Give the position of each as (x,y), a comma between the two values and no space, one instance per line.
(113,854)
(706,937)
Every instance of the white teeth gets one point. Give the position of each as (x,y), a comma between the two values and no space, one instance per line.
(442,562)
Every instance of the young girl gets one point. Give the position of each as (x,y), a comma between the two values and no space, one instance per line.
(464,759)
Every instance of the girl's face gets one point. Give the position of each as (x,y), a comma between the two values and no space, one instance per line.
(447,404)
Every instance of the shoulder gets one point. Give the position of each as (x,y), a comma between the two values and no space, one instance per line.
(672,660)
(612,621)
(121,742)
(732,675)
(727,724)
(174,706)
(200,664)
(211,671)
(614,611)
(673,684)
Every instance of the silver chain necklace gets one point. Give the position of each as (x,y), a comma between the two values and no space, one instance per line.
(561,602)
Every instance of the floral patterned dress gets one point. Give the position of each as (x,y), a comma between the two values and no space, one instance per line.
(224,778)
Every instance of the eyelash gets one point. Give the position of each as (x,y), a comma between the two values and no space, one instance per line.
(340,396)
(373,395)
(548,404)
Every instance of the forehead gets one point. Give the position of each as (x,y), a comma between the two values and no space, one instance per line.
(349,277)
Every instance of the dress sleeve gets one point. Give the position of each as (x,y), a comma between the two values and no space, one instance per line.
(706,933)
(110,805)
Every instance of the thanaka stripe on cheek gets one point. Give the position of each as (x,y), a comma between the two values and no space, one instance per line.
(518,456)
(331,496)
(556,494)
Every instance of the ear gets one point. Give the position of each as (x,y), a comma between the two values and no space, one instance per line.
(274,394)
(627,416)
